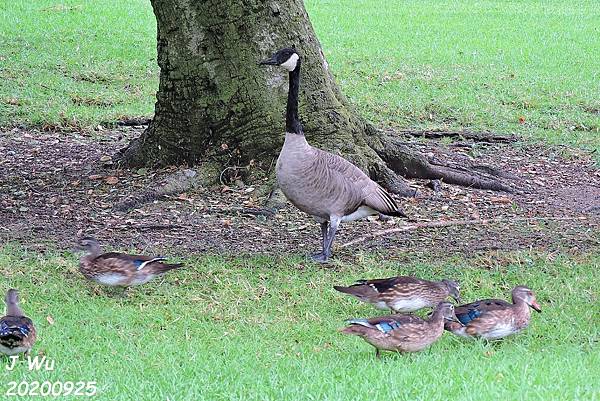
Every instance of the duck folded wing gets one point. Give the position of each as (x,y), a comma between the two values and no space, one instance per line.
(386,284)
(487,321)
(16,329)
(467,313)
(391,322)
(123,262)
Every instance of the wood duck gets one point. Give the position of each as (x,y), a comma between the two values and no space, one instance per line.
(119,269)
(495,318)
(402,333)
(402,294)
(17,332)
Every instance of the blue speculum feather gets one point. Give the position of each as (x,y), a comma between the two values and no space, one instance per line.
(386,327)
(467,317)
(138,262)
(6,330)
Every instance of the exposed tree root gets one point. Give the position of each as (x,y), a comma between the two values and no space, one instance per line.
(474,136)
(133,121)
(174,184)
(412,164)
(448,223)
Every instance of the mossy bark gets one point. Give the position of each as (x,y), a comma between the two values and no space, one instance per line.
(212,91)
(216,107)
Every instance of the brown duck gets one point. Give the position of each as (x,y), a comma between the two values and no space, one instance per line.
(493,319)
(326,186)
(402,333)
(402,293)
(17,332)
(119,269)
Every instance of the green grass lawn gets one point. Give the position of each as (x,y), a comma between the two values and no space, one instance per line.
(477,65)
(76,63)
(265,329)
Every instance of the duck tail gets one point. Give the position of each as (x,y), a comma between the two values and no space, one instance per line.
(360,289)
(345,290)
(357,327)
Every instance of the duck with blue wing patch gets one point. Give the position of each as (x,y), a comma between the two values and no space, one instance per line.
(493,319)
(402,333)
(17,332)
(119,269)
(402,294)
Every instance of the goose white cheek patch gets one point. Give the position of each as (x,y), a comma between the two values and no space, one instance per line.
(290,64)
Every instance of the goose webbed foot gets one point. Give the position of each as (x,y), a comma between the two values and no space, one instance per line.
(320,257)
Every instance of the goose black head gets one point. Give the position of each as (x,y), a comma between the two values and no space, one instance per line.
(286,58)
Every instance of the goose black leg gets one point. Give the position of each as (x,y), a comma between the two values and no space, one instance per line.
(324,228)
(334,222)
(321,257)
(328,237)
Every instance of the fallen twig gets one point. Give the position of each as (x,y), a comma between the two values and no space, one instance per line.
(448,223)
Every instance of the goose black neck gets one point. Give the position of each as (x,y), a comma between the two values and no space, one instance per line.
(292,123)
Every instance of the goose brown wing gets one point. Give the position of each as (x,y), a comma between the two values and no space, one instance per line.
(354,186)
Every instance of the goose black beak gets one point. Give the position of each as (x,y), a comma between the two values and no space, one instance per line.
(269,61)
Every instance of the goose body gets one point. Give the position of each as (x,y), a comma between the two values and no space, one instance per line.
(402,333)
(319,183)
(402,294)
(493,319)
(120,269)
(17,332)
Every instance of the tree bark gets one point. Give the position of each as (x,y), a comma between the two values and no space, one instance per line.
(216,107)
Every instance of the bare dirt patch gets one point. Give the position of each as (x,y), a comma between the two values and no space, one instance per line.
(56,186)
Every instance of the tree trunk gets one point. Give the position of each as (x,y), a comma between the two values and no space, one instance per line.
(216,107)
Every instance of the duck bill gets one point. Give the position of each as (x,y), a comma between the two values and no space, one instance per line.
(457,299)
(454,319)
(536,307)
(269,61)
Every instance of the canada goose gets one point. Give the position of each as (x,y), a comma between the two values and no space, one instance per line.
(119,269)
(326,186)
(17,332)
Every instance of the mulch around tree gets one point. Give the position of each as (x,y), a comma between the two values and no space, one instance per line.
(58,186)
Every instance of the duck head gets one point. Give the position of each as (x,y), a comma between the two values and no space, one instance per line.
(89,244)
(287,58)
(447,311)
(526,295)
(12,296)
(12,303)
(453,289)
